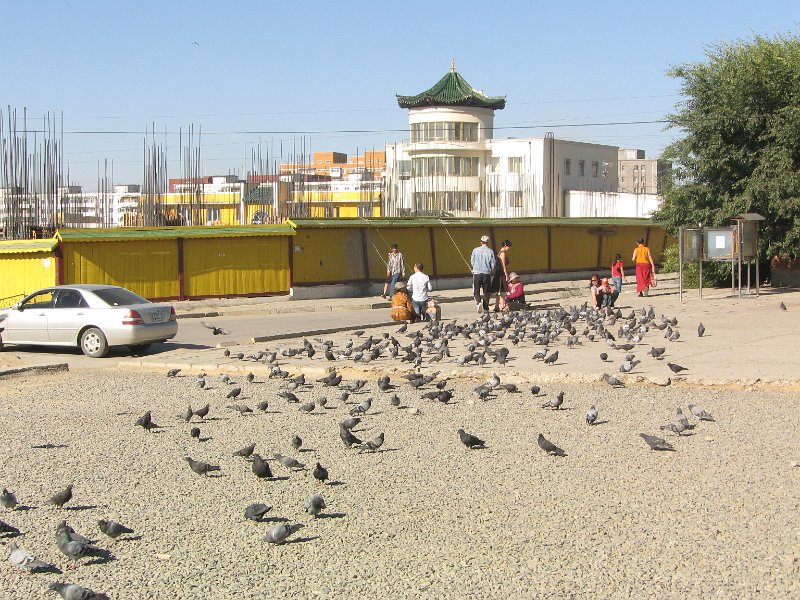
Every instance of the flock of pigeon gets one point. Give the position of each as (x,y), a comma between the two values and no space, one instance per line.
(487,339)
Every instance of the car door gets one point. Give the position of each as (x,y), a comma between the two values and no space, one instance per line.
(27,321)
(66,317)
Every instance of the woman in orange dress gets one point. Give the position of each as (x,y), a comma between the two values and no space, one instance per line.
(645,269)
(402,307)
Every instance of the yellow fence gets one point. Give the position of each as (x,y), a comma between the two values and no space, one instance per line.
(195,262)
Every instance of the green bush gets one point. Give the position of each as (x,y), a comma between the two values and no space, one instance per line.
(715,274)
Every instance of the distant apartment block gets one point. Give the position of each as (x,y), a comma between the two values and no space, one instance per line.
(640,175)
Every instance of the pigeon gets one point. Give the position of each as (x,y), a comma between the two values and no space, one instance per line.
(782,306)
(373,444)
(113,529)
(173,372)
(535,390)
(314,505)
(242,409)
(700,412)
(250,378)
(225,378)
(73,535)
(195,433)
(214,329)
(351,422)
(700,330)
(261,467)
(320,473)
(22,559)
(307,407)
(73,591)
(200,467)
(549,446)
(656,443)
(6,528)
(555,403)
(8,499)
(59,499)
(256,511)
(591,415)
(676,368)
(322,402)
(612,381)
(280,532)
(187,415)
(656,352)
(679,425)
(146,421)
(289,462)
(603,356)
(246,452)
(234,393)
(362,407)
(394,400)
(358,333)
(202,412)
(347,436)
(552,358)
(470,441)
(72,548)
(263,405)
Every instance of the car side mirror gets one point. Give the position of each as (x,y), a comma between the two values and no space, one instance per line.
(17,306)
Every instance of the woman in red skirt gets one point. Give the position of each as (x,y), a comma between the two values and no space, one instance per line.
(645,269)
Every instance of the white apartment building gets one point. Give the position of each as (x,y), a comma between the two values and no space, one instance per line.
(453,165)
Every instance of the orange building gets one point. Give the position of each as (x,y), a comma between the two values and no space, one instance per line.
(338,165)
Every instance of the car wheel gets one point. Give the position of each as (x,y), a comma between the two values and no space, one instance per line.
(93,343)
(139,348)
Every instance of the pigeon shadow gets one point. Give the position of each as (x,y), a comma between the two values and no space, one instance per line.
(279,478)
(102,557)
(204,439)
(333,483)
(24,507)
(273,520)
(7,535)
(307,450)
(48,569)
(600,422)
(331,515)
(131,538)
(81,507)
(49,446)
(300,540)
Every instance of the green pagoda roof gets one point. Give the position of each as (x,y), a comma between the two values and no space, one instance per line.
(452,90)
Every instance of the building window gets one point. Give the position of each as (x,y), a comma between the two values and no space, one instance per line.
(567,166)
(514,199)
(515,164)
(493,198)
(582,168)
(444,131)
(595,168)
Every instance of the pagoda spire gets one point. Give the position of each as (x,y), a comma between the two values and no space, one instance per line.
(453,66)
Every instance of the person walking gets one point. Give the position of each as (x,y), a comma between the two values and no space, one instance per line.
(618,273)
(482,263)
(645,269)
(395,269)
(419,285)
(500,276)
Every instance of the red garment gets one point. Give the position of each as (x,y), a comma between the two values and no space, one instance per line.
(644,275)
(515,290)
(616,269)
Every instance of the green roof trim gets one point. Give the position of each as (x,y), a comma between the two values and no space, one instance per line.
(299,223)
(170,233)
(27,246)
(452,90)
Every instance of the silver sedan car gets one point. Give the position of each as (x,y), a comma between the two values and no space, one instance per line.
(92,317)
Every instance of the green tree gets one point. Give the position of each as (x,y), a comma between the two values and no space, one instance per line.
(740,151)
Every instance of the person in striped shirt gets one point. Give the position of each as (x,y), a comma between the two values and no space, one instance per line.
(395,269)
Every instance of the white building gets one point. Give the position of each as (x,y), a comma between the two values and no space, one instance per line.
(453,165)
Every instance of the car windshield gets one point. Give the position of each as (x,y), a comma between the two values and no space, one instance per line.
(119,297)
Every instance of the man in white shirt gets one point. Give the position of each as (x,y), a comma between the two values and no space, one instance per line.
(419,285)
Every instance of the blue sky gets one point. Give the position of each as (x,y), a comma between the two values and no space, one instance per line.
(243,72)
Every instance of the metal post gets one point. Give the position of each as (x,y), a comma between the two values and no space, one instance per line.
(739,252)
(758,255)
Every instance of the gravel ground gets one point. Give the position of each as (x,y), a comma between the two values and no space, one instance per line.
(424,517)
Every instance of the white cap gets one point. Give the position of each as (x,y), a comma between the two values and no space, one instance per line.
(484,238)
